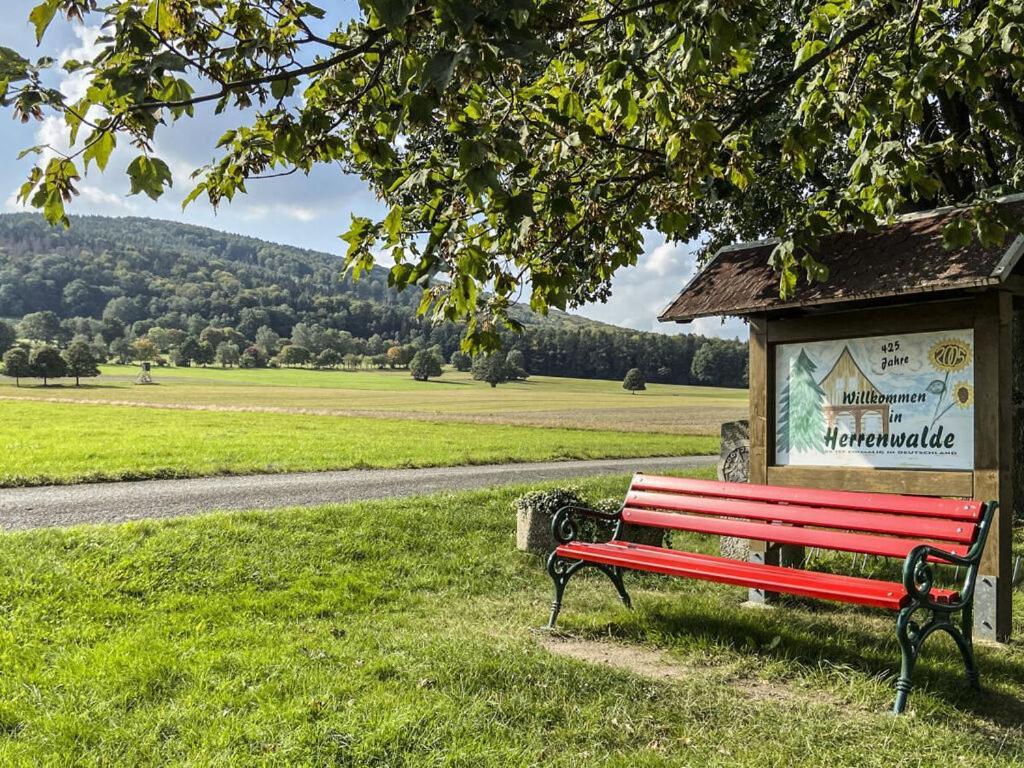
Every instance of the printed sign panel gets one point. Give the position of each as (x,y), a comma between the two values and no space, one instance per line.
(901,402)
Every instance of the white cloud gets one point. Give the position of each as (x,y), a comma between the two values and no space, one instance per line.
(640,293)
(302,213)
(99,199)
(727,328)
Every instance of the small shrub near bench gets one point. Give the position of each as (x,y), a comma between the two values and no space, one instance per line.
(535,510)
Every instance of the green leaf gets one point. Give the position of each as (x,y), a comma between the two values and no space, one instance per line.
(958,233)
(392,13)
(807,50)
(393,223)
(149,175)
(191,196)
(99,149)
(705,132)
(440,68)
(42,15)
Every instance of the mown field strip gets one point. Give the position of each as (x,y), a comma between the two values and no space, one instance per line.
(539,401)
(46,443)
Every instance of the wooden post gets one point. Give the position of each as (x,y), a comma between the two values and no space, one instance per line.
(760,378)
(993,454)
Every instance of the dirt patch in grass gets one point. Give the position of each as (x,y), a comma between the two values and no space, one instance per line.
(657,665)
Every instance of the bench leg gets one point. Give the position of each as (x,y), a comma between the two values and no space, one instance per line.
(614,573)
(906,633)
(561,570)
(965,643)
(911,637)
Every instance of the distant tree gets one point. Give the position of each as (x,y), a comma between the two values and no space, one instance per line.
(490,368)
(99,348)
(205,354)
(329,358)
(379,361)
(425,364)
(267,340)
(634,381)
(124,310)
(175,337)
(227,354)
(516,362)
(252,357)
(720,363)
(111,329)
(664,373)
(7,336)
(212,336)
(406,352)
(145,350)
(292,354)
(461,361)
(394,354)
(309,336)
(121,348)
(80,361)
(188,351)
(159,337)
(352,360)
(39,326)
(16,365)
(179,358)
(46,363)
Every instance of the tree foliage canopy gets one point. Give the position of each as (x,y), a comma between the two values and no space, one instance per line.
(532,142)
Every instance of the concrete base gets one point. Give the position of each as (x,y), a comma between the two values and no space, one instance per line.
(986,607)
(778,554)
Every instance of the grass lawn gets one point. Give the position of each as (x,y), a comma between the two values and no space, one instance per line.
(539,401)
(67,443)
(399,634)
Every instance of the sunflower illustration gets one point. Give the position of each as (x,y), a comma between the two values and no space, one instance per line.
(963,395)
(950,355)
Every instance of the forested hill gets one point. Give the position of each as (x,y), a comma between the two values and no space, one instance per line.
(113,280)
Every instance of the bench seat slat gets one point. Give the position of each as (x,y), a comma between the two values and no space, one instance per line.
(849,520)
(863,543)
(954,509)
(847,589)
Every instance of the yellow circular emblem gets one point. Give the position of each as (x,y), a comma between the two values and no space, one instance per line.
(950,355)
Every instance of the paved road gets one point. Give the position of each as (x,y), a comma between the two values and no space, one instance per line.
(56,505)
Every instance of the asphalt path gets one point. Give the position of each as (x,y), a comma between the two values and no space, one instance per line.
(61,505)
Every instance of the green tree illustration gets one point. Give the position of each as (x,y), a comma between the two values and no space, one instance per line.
(782,420)
(803,399)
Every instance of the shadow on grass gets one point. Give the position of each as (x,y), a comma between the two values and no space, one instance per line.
(812,634)
(67,387)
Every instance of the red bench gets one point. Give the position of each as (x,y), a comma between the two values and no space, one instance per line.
(922,531)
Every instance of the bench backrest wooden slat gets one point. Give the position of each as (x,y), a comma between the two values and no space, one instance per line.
(951,509)
(823,517)
(844,541)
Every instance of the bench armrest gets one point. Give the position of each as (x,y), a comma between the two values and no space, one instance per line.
(563,527)
(917,570)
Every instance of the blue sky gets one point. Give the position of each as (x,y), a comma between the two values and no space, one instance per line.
(298,210)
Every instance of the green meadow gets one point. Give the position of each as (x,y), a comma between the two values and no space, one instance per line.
(44,442)
(402,633)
